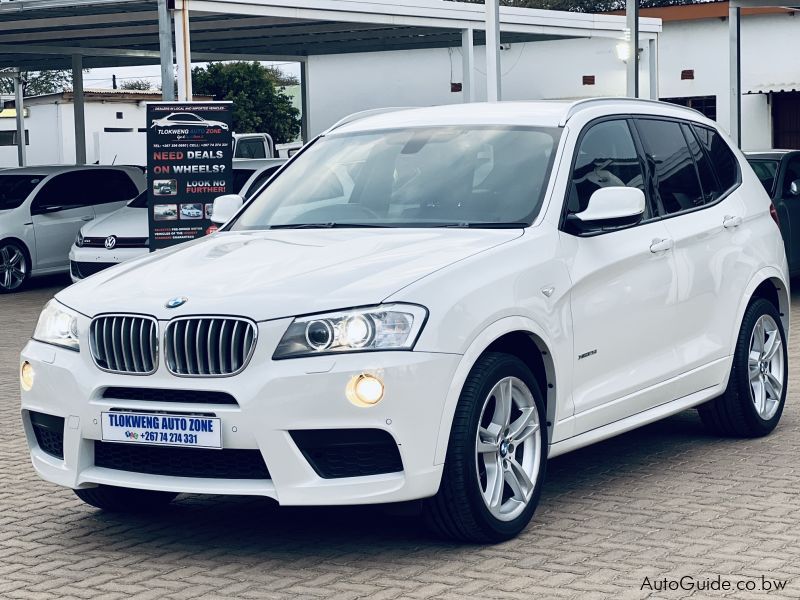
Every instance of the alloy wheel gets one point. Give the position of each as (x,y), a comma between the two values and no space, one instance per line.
(508,448)
(766,367)
(13,267)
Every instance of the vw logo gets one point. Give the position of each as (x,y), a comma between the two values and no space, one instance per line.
(110,242)
(176,302)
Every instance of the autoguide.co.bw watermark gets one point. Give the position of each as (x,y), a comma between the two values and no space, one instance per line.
(717,584)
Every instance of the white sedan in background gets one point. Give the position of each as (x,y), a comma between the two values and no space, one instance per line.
(123,234)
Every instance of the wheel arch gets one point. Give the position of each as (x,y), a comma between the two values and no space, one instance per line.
(770,285)
(24,247)
(518,336)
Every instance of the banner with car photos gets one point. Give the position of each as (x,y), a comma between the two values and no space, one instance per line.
(189,163)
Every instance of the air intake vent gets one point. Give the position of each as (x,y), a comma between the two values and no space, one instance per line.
(125,344)
(209,346)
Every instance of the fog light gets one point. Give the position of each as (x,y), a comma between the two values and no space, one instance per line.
(364,390)
(26,376)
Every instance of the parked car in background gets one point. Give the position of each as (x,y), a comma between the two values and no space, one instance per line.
(779,173)
(253,145)
(123,234)
(503,283)
(43,208)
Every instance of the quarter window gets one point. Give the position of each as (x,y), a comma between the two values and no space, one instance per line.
(674,175)
(722,157)
(606,158)
(708,180)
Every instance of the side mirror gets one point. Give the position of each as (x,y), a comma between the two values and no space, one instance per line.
(225,207)
(610,208)
(794,188)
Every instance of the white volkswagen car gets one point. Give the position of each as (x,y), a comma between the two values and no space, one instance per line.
(42,208)
(186,119)
(501,284)
(123,234)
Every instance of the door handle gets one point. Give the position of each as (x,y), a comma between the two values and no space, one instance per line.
(661,245)
(730,222)
(87,218)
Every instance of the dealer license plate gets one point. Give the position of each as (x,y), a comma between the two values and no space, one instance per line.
(162,430)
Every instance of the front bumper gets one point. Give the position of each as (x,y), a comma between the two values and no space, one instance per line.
(88,261)
(273,399)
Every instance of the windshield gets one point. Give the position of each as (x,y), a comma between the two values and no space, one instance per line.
(15,188)
(423,177)
(766,171)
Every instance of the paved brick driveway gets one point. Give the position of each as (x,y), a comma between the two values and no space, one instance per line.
(665,501)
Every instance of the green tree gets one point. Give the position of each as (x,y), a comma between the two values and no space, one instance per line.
(36,83)
(136,84)
(258,104)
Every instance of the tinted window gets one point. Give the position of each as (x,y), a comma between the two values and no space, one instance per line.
(708,181)
(606,158)
(110,185)
(250,148)
(260,179)
(722,157)
(14,189)
(140,201)
(792,174)
(416,177)
(67,190)
(672,166)
(240,177)
(766,171)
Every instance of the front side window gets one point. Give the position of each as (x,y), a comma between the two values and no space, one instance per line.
(14,189)
(420,177)
(240,177)
(674,174)
(606,157)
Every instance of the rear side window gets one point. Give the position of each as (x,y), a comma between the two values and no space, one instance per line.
(722,157)
(250,148)
(606,157)
(110,185)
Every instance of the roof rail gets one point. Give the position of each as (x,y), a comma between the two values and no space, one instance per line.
(579,105)
(363,114)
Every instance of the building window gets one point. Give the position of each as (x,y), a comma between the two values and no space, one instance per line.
(118,129)
(9,138)
(705,104)
(588,80)
(119,115)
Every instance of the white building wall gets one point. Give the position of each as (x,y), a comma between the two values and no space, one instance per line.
(339,85)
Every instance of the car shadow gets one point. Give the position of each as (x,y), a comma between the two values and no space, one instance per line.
(259,527)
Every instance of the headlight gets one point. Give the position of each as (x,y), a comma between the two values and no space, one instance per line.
(79,240)
(58,325)
(388,327)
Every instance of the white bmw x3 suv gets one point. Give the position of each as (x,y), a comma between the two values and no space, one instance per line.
(427,304)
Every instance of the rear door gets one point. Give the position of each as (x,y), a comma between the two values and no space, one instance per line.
(58,211)
(696,182)
(624,288)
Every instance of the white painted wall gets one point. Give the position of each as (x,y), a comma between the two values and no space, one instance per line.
(339,85)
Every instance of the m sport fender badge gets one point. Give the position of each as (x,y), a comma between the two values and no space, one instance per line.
(587,354)
(176,302)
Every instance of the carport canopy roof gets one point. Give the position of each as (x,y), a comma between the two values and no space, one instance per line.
(44,34)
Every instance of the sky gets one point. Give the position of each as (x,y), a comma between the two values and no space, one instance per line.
(101,78)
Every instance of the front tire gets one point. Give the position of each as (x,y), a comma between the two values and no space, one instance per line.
(496,456)
(118,499)
(753,401)
(15,268)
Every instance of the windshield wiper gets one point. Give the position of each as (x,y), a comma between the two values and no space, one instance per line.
(329,225)
(486,225)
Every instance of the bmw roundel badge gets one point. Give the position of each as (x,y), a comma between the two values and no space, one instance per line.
(176,302)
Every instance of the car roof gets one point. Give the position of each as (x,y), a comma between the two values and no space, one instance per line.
(542,113)
(54,169)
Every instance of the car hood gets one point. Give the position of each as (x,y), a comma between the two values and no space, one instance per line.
(124,223)
(273,274)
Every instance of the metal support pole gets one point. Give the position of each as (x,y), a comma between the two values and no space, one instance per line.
(165,50)
(734,28)
(493,84)
(467,66)
(304,113)
(183,54)
(632,13)
(653,57)
(78,109)
(19,109)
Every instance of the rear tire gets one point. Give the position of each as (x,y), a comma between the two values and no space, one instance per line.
(496,456)
(754,399)
(119,499)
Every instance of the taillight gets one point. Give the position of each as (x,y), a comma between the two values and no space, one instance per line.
(773,212)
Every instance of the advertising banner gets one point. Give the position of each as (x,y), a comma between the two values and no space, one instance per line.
(189,163)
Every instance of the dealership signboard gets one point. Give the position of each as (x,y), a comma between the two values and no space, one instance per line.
(189,163)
